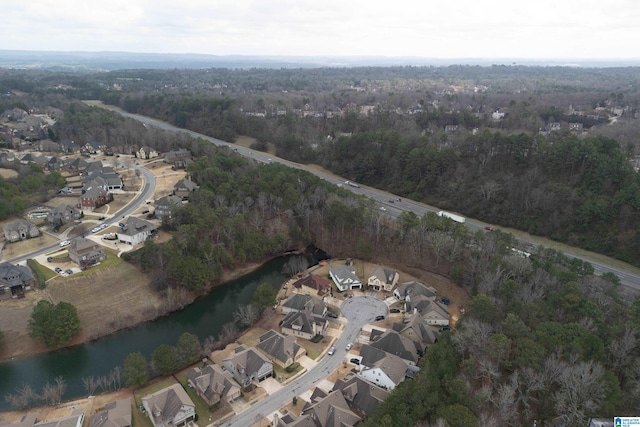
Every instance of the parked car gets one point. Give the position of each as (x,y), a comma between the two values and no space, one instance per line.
(445,328)
(395,310)
(49,259)
(65,243)
(445,300)
(332,315)
(58,270)
(95,229)
(348,347)
(146,211)
(488,228)
(332,350)
(101,218)
(382,208)
(381,317)
(69,271)
(355,361)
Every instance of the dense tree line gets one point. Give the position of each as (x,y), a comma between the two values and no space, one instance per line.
(53,325)
(30,188)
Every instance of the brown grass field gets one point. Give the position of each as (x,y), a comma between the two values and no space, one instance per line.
(8,173)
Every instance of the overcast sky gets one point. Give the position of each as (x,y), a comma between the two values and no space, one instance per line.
(541,29)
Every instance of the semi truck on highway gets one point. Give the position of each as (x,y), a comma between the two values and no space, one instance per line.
(353,184)
(456,218)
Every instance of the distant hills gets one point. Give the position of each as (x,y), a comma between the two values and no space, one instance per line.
(107,61)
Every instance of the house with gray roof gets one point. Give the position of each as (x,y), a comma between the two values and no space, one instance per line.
(20,229)
(94,196)
(280,349)
(166,206)
(63,214)
(290,420)
(432,311)
(248,365)
(301,302)
(383,279)
(15,280)
(407,290)
(115,414)
(27,420)
(136,231)
(387,372)
(213,384)
(361,395)
(74,420)
(303,324)
(344,276)
(178,159)
(170,406)
(184,188)
(392,342)
(329,410)
(77,166)
(419,331)
(85,252)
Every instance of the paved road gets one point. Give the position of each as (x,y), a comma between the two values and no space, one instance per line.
(626,275)
(358,311)
(146,193)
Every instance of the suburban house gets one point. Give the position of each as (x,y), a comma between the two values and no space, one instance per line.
(178,159)
(248,365)
(387,372)
(74,420)
(329,409)
(63,214)
(419,331)
(383,279)
(213,384)
(93,147)
(85,252)
(93,167)
(94,197)
(301,302)
(313,285)
(146,152)
(27,420)
(362,395)
(77,166)
(170,406)
(69,147)
(15,280)
(105,177)
(303,324)
(20,229)
(184,188)
(432,311)
(344,276)
(392,342)
(115,414)
(282,350)
(165,206)
(135,231)
(408,289)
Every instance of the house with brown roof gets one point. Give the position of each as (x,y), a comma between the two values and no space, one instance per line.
(178,159)
(63,214)
(303,324)
(409,289)
(383,279)
(213,384)
(76,419)
(115,414)
(15,280)
(282,350)
(248,365)
(21,229)
(170,406)
(85,252)
(432,311)
(419,331)
(313,284)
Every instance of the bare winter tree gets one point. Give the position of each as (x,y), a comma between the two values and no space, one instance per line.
(52,393)
(228,333)
(90,385)
(246,315)
(23,398)
(295,265)
(581,390)
(505,403)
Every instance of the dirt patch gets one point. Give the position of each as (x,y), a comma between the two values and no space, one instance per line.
(8,173)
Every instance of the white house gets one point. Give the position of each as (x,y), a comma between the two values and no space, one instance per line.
(345,278)
(383,280)
(387,372)
(135,231)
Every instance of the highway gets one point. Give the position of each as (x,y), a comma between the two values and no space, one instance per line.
(627,275)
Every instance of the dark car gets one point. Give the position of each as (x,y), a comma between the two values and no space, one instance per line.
(445,328)
(69,271)
(332,315)
(49,259)
(101,218)
(394,310)
(355,361)
(445,300)
(145,211)
(488,228)
(379,318)
(58,270)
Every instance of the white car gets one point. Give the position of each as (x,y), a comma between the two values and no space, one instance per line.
(95,230)
(382,208)
(332,350)
(65,243)
(349,346)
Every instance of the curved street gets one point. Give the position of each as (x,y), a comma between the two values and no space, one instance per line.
(358,311)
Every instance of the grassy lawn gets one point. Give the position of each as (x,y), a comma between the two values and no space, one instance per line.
(280,372)
(313,354)
(47,273)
